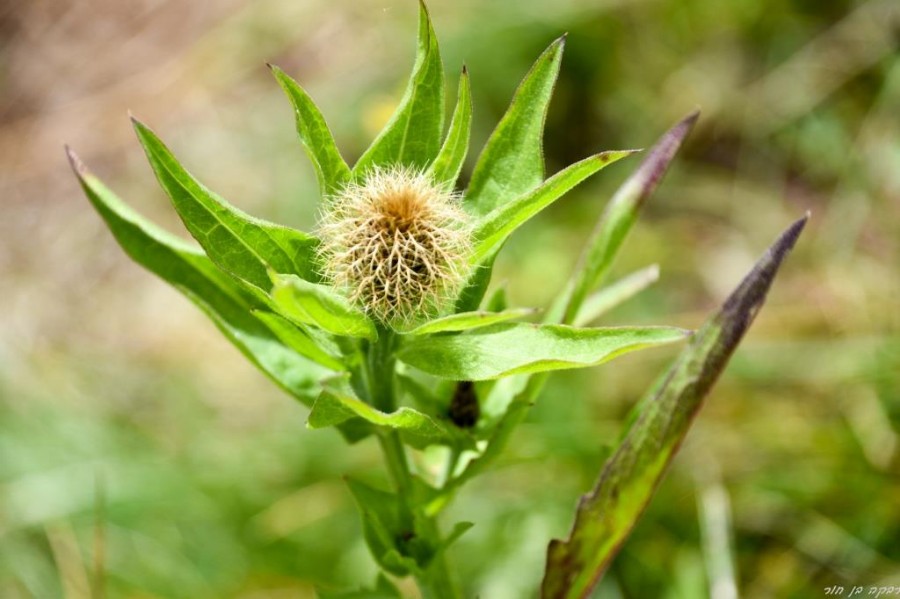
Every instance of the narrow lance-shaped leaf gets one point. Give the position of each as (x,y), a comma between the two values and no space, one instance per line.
(508,349)
(609,297)
(240,244)
(593,265)
(618,219)
(214,291)
(321,306)
(465,321)
(331,170)
(606,516)
(449,162)
(512,162)
(599,253)
(476,285)
(493,229)
(412,136)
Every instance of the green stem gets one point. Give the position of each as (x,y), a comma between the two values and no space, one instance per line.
(437,583)
(398,466)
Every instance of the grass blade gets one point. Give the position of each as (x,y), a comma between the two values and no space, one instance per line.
(606,516)
(716,534)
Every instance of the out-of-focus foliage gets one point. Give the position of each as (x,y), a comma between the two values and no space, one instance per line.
(120,404)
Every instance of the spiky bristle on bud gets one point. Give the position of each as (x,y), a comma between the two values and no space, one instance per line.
(396,243)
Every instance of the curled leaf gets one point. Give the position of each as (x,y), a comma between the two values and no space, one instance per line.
(337,404)
(320,305)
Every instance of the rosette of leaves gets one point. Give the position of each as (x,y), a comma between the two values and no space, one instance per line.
(334,324)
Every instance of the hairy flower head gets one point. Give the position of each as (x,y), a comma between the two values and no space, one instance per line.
(396,243)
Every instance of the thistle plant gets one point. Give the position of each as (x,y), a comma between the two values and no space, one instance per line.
(382,324)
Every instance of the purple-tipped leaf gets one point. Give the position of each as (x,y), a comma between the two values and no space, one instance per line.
(629,478)
(619,217)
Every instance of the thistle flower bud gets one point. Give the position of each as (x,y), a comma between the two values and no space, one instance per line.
(396,243)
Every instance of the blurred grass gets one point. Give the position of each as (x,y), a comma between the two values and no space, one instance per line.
(112,387)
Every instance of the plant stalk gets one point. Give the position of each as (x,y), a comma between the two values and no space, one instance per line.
(437,582)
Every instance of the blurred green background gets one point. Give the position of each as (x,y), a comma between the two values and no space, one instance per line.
(126,418)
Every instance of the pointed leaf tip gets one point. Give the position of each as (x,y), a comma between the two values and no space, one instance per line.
(412,136)
(659,423)
(741,306)
(512,161)
(75,162)
(619,217)
(651,171)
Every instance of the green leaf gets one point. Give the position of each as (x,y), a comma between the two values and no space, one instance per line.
(331,170)
(382,527)
(300,341)
(498,302)
(476,286)
(512,162)
(492,229)
(215,292)
(465,321)
(508,349)
(449,162)
(412,137)
(242,245)
(458,530)
(431,397)
(609,297)
(337,403)
(619,217)
(661,420)
(320,305)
